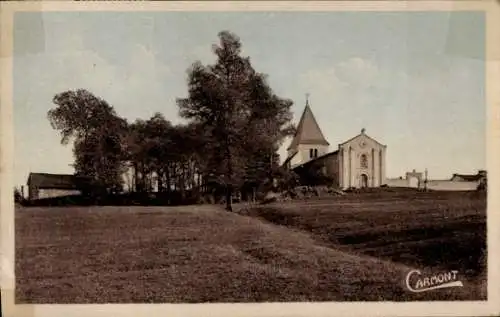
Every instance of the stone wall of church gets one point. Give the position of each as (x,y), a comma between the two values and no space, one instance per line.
(332,168)
(362,163)
(366,168)
(381,162)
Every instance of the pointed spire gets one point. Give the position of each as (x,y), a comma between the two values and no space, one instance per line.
(308,131)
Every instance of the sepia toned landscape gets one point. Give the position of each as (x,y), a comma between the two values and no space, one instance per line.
(181,157)
(353,248)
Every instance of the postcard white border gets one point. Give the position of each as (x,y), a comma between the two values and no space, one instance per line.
(492,10)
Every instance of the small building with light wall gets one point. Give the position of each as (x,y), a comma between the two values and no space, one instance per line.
(458,182)
(43,185)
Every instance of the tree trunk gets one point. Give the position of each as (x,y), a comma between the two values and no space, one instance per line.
(159,181)
(175,177)
(136,177)
(140,177)
(150,181)
(229,196)
(182,182)
(169,191)
(229,191)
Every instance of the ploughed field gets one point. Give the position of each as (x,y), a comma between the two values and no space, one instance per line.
(349,248)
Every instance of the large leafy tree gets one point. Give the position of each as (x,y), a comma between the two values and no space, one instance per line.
(160,148)
(269,124)
(240,116)
(142,151)
(98,135)
(162,154)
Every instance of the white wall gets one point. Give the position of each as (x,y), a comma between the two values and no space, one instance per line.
(435,184)
(413,182)
(397,182)
(451,185)
(49,193)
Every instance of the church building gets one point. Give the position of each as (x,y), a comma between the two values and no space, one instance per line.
(358,162)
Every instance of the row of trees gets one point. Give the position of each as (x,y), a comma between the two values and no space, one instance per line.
(235,125)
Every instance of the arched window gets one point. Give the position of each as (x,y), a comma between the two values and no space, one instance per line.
(364,161)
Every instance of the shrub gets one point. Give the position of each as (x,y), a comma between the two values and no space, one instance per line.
(18,198)
(482,186)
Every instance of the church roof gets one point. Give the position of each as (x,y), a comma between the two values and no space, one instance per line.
(308,131)
(316,159)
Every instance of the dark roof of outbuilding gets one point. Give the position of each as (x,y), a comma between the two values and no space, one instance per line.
(469,178)
(53,181)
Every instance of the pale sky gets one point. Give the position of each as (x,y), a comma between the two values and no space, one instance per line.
(414,81)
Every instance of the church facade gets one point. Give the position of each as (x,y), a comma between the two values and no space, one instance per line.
(356,163)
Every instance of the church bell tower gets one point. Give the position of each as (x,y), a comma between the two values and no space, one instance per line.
(308,142)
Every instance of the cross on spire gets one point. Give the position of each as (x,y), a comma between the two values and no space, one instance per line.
(307,99)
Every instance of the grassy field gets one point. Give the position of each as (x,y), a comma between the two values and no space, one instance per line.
(350,248)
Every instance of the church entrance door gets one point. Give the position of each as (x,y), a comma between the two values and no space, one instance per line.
(364,181)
